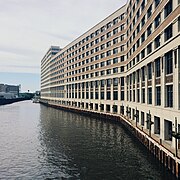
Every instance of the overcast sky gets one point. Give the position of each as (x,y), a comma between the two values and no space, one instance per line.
(29,27)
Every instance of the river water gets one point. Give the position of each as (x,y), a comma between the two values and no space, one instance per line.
(39,142)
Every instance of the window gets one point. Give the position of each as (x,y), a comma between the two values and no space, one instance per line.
(115,70)
(115,95)
(143,21)
(138,28)
(149,95)
(115,50)
(115,82)
(149,66)
(138,95)
(149,48)
(168,8)
(108,95)
(143,95)
(115,60)
(158,96)
(142,53)
(102,95)
(143,5)
(102,73)
(96,95)
(102,46)
(108,44)
(158,67)
(108,53)
(156,2)
(157,42)
(102,64)
(149,11)
(108,62)
(149,30)
(122,95)
(169,62)
(142,37)
(168,32)
(115,31)
(157,20)
(108,34)
(115,41)
(108,71)
(169,95)
(108,82)
(102,38)
(143,73)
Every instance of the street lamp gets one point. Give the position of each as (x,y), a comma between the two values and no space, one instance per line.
(150,123)
(136,116)
(176,135)
(128,111)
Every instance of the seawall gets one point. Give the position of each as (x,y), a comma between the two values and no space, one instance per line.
(169,158)
(10,101)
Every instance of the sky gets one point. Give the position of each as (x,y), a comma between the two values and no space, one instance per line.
(29,28)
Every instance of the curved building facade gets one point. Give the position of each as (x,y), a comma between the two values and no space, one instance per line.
(127,65)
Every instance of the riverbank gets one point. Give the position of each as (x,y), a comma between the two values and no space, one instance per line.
(10,101)
(165,154)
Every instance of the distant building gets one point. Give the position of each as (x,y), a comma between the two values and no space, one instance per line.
(13,89)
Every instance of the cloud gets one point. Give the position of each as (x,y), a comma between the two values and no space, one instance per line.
(29,28)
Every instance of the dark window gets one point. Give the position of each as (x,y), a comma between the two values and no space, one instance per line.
(157,20)
(149,48)
(115,60)
(149,66)
(108,95)
(149,95)
(168,8)
(156,2)
(149,11)
(149,30)
(138,95)
(143,5)
(122,95)
(157,42)
(143,21)
(158,67)
(142,53)
(158,96)
(143,95)
(168,32)
(102,95)
(142,37)
(169,62)
(169,91)
(115,95)
(143,73)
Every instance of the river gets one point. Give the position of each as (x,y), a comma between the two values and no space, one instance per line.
(39,142)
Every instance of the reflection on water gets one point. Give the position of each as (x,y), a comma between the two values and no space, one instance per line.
(39,142)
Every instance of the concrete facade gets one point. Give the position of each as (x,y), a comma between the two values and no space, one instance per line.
(127,65)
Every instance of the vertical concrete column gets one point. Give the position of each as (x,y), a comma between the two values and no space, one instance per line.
(119,93)
(162,128)
(94,89)
(125,89)
(175,79)
(146,84)
(163,93)
(153,84)
(111,109)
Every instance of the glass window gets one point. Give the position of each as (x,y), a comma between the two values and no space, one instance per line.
(158,96)
(158,67)
(157,20)
(169,62)
(157,42)
(168,8)
(149,11)
(169,93)
(168,32)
